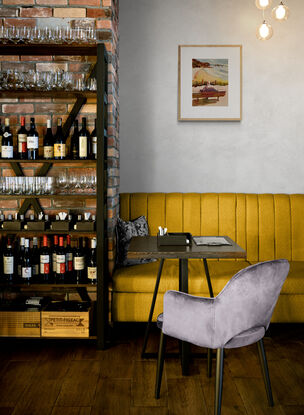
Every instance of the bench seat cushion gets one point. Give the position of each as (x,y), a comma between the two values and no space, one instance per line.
(141,278)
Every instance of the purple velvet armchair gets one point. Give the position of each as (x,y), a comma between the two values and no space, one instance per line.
(238,316)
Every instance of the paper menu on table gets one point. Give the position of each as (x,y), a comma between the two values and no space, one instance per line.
(211,240)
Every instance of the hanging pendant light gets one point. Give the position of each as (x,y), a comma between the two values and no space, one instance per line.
(264,31)
(281,12)
(263,4)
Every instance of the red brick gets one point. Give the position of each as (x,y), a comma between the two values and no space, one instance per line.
(11,58)
(79,67)
(20,22)
(21,67)
(69,58)
(50,66)
(58,108)
(45,203)
(107,3)
(82,23)
(63,12)
(9,12)
(36,12)
(36,58)
(98,13)
(90,203)
(86,2)
(35,100)
(17,2)
(20,108)
(9,204)
(67,203)
(52,2)
(104,24)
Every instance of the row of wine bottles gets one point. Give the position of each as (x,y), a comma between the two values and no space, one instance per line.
(83,144)
(59,262)
(24,222)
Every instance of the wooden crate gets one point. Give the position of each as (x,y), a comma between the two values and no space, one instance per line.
(65,323)
(20,323)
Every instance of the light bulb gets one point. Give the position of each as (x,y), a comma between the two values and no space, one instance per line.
(281,12)
(264,32)
(263,4)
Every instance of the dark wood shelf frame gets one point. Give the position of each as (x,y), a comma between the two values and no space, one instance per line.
(98,70)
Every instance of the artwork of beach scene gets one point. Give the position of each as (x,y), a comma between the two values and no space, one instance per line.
(209,82)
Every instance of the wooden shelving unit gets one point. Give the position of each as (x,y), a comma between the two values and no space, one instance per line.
(99,71)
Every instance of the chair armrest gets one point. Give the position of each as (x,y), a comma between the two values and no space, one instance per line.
(189,318)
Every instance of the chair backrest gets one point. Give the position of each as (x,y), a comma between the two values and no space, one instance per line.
(248,299)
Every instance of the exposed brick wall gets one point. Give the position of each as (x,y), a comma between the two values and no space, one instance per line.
(102,14)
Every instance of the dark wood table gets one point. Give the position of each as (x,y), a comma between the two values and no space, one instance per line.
(147,247)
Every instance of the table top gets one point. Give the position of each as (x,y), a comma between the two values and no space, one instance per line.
(146,247)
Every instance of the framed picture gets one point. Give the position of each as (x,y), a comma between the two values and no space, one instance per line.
(209,82)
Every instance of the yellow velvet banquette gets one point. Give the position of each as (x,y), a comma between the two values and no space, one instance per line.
(267,226)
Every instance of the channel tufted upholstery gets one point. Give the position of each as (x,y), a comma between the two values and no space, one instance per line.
(267,226)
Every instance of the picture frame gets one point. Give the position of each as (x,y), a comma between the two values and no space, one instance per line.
(209,82)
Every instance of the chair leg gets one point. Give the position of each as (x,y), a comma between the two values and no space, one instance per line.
(209,363)
(265,371)
(160,363)
(219,381)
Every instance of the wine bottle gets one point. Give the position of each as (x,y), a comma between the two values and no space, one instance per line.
(45,261)
(7,148)
(79,263)
(84,139)
(35,260)
(74,153)
(54,256)
(60,260)
(92,263)
(94,142)
(8,262)
(22,140)
(20,259)
(48,142)
(26,267)
(69,259)
(59,142)
(1,135)
(32,141)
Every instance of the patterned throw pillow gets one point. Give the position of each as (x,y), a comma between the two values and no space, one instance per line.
(124,232)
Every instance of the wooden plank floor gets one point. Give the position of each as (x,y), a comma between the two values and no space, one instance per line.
(73,378)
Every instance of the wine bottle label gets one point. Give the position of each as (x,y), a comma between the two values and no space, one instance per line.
(8,264)
(59,150)
(48,152)
(32,142)
(44,264)
(60,264)
(92,273)
(78,263)
(69,261)
(22,143)
(26,272)
(94,146)
(6,134)
(83,146)
(7,152)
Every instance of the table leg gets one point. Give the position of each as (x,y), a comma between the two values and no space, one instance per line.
(209,351)
(208,278)
(160,268)
(183,286)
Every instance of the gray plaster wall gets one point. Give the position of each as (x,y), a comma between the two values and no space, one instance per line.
(262,153)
